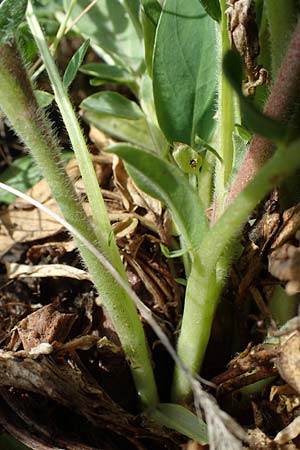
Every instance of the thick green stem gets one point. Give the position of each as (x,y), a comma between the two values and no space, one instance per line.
(226,125)
(203,288)
(17,101)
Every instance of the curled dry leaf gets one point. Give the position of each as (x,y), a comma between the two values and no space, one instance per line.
(288,362)
(289,226)
(44,326)
(14,270)
(21,222)
(288,433)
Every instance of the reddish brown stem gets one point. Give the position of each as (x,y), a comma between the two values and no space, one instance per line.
(279,104)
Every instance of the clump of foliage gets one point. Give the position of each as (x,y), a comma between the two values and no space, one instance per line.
(209,133)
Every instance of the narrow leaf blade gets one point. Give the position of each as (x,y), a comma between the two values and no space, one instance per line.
(74,63)
(180,419)
(106,72)
(165,182)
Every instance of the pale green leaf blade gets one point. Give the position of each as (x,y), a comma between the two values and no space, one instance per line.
(106,72)
(44,99)
(135,132)
(166,182)
(133,9)
(184,71)
(113,104)
(180,419)
(74,63)
(110,29)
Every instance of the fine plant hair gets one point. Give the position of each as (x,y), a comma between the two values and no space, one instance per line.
(184,121)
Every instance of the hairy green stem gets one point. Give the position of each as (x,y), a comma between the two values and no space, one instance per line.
(100,216)
(203,286)
(19,105)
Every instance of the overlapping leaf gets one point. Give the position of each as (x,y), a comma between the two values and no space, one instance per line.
(184,71)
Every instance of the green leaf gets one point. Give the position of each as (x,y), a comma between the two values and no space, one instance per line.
(106,72)
(12,13)
(134,131)
(180,419)
(253,119)
(44,99)
(184,71)
(173,253)
(112,104)
(75,63)
(22,175)
(201,146)
(212,7)
(150,16)
(166,182)
(111,32)
(188,159)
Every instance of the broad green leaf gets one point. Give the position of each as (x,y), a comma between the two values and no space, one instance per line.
(134,131)
(212,7)
(179,418)
(253,119)
(166,182)
(110,30)
(113,104)
(12,13)
(184,71)
(74,64)
(44,99)
(106,72)
(150,16)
